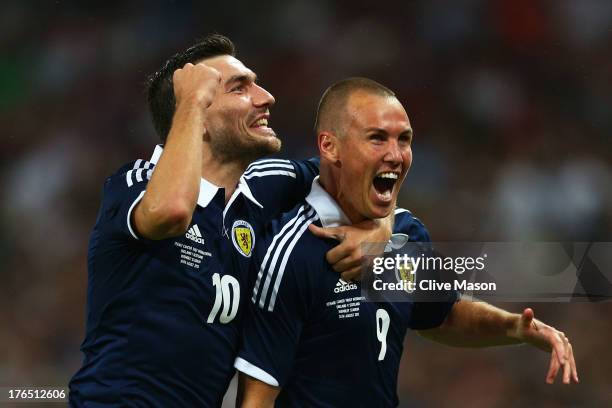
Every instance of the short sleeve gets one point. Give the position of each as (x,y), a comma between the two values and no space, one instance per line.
(280,184)
(122,192)
(432,307)
(272,325)
(406,223)
(427,315)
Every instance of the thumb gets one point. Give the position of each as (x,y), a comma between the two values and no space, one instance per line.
(328,233)
(527,317)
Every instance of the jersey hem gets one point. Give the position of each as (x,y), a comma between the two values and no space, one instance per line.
(242,365)
(129,214)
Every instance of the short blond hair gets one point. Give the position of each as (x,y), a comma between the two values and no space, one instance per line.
(333,103)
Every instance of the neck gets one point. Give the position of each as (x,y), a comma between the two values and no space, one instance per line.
(221,172)
(329,178)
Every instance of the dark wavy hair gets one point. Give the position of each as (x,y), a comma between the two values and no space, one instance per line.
(160,89)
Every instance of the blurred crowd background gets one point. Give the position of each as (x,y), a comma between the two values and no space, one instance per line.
(510,100)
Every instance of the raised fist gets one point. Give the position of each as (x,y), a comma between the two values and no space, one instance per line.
(196,83)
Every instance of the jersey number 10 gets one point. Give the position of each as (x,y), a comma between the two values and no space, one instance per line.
(227,295)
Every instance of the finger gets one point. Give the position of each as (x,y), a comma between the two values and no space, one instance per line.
(218,75)
(339,252)
(553,368)
(567,370)
(353,274)
(327,233)
(573,365)
(559,347)
(347,263)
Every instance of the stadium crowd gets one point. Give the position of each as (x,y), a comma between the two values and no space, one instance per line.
(511,103)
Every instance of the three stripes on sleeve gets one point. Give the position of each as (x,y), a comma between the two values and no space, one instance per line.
(142,169)
(275,261)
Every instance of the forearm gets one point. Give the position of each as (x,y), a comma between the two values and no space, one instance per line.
(172,193)
(476,324)
(253,393)
(178,172)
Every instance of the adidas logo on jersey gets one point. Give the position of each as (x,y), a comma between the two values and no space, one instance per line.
(194,234)
(343,286)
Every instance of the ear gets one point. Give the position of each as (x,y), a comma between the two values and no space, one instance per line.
(329,147)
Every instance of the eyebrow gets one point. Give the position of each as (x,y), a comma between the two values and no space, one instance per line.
(408,131)
(241,78)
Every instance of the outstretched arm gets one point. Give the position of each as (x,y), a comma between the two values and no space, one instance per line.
(348,256)
(479,324)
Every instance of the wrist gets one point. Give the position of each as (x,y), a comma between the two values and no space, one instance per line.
(379,230)
(189,112)
(192,103)
(513,327)
(385,227)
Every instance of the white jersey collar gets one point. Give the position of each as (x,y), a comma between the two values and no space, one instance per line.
(208,189)
(326,207)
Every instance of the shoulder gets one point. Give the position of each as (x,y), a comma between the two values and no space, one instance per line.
(290,258)
(279,184)
(288,235)
(131,173)
(407,223)
(281,168)
(270,167)
(129,180)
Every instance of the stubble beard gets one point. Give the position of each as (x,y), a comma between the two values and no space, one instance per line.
(234,148)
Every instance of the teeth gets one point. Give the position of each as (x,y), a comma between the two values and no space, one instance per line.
(262,122)
(388,175)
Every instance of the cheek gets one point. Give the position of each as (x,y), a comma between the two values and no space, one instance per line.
(407,158)
(215,114)
(226,112)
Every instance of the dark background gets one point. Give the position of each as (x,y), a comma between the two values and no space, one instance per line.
(510,100)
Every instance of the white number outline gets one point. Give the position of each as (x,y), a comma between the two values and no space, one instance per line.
(224,286)
(382,328)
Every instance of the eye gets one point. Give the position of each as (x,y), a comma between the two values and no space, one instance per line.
(377,137)
(238,88)
(405,138)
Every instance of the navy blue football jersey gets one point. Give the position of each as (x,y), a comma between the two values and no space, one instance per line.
(162,319)
(312,333)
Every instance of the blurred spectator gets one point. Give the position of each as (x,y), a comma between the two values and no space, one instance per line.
(510,102)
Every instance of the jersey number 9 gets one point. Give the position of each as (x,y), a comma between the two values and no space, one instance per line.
(382,327)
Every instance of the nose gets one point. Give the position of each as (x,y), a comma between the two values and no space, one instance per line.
(393,156)
(261,97)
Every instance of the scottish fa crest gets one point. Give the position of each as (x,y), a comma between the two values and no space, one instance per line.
(243,237)
(405,274)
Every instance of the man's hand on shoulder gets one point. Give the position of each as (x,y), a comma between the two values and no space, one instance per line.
(348,257)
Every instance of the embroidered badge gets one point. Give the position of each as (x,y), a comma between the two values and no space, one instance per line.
(243,237)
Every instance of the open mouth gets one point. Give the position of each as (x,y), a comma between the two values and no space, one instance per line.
(260,126)
(259,123)
(383,185)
